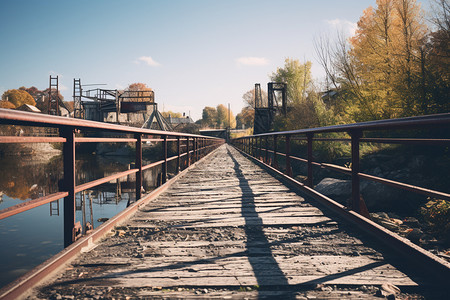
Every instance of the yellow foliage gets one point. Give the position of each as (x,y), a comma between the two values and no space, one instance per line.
(18,97)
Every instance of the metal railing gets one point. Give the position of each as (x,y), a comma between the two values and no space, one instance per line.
(189,149)
(269,152)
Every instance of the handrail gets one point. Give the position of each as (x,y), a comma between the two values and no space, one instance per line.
(194,148)
(437,119)
(252,145)
(14,117)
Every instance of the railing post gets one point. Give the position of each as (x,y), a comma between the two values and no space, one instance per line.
(288,157)
(188,158)
(194,146)
(178,155)
(275,156)
(69,185)
(164,167)
(356,135)
(138,164)
(309,180)
(267,150)
(259,142)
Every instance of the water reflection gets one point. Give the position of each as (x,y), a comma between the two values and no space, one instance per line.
(31,237)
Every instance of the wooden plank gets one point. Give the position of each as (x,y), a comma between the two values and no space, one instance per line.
(229,224)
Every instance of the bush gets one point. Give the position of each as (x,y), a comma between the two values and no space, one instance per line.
(436,212)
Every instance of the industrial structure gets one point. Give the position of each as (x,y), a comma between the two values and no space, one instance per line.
(129,107)
(266,109)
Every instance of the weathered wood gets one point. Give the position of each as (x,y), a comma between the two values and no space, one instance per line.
(228,224)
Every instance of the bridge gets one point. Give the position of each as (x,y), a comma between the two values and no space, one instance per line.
(230,221)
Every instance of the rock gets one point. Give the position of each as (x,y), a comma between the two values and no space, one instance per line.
(390,288)
(411,222)
(379,196)
(415,235)
(334,187)
(205,291)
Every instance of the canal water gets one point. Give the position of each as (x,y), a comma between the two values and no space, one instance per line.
(29,238)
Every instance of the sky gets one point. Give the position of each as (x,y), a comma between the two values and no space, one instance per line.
(193,53)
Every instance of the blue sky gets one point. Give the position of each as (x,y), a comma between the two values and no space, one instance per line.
(191,53)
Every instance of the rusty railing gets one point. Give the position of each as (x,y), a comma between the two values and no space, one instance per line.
(269,154)
(189,149)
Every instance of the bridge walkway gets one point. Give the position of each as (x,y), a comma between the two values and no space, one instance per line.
(229,229)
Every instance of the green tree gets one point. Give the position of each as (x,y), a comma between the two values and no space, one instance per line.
(298,79)
(18,97)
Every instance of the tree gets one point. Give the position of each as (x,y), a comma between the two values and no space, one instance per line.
(138,86)
(7,104)
(386,52)
(297,76)
(166,114)
(249,97)
(137,89)
(18,97)
(209,116)
(225,118)
(33,91)
(245,118)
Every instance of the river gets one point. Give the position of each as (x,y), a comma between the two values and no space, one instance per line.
(29,238)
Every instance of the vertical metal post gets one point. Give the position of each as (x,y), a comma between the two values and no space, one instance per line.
(267,149)
(138,164)
(356,135)
(288,157)
(194,147)
(309,180)
(187,152)
(69,185)
(259,141)
(164,167)
(178,155)
(275,155)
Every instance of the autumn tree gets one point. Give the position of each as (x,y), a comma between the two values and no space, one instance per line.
(209,116)
(245,117)
(136,89)
(18,97)
(172,114)
(7,104)
(225,118)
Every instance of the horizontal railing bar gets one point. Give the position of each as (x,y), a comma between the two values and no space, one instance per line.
(428,120)
(382,140)
(332,139)
(90,184)
(152,165)
(405,141)
(31,139)
(172,158)
(405,186)
(103,140)
(158,140)
(409,187)
(14,117)
(27,205)
(337,168)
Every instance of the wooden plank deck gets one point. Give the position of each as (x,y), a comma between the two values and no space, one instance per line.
(228,229)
